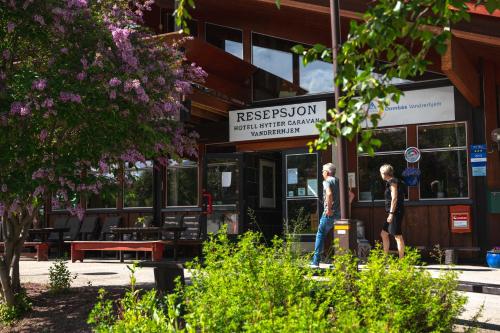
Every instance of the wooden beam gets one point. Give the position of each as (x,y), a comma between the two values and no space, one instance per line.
(461,72)
(472,36)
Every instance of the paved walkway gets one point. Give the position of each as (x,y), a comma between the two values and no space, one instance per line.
(113,273)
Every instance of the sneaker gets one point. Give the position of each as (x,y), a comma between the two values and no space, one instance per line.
(313,266)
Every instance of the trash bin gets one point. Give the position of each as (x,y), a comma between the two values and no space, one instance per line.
(345,231)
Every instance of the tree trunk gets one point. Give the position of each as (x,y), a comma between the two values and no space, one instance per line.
(8,293)
(15,233)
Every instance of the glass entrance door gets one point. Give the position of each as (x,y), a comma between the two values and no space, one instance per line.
(223,180)
(301,192)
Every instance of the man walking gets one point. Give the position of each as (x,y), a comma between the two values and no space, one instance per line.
(331,210)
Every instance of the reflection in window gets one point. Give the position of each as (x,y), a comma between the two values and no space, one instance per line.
(444,161)
(227,39)
(283,74)
(302,175)
(277,62)
(316,77)
(222,181)
(217,219)
(138,185)
(182,183)
(371,185)
(302,216)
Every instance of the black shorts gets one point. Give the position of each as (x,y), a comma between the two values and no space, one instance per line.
(394,228)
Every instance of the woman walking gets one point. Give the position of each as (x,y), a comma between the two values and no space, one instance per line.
(394,207)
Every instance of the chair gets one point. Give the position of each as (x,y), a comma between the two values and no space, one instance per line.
(109,222)
(193,225)
(89,228)
(74,225)
(59,222)
(169,221)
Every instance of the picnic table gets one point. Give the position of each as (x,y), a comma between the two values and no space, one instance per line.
(44,233)
(142,232)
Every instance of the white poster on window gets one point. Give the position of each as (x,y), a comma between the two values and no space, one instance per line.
(417,107)
(226,179)
(292,176)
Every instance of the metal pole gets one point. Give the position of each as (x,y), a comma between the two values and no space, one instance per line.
(335,28)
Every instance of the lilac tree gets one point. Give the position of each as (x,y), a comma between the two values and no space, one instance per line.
(83,89)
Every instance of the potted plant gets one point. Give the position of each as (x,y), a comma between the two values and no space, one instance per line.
(493,257)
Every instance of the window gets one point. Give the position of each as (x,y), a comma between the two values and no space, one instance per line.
(302,193)
(182,183)
(228,39)
(138,185)
(443,163)
(283,73)
(223,181)
(108,194)
(371,185)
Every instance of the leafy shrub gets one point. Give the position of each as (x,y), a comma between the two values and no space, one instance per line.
(250,287)
(9,314)
(60,277)
(137,311)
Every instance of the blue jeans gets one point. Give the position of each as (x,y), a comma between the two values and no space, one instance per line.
(325,225)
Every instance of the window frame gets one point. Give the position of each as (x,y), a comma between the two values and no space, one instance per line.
(196,166)
(426,150)
(384,153)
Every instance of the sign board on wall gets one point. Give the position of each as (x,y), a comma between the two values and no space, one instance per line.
(478,160)
(283,121)
(417,107)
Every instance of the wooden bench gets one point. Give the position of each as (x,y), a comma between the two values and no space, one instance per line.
(78,248)
(42,250)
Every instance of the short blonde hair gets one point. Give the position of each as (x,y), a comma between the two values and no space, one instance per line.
(387,170)
(331,168)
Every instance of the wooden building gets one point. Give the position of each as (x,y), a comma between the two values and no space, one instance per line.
(255,114)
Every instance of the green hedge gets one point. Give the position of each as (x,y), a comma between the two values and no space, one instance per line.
(250,286)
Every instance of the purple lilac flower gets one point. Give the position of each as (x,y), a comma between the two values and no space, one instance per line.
(112,94)
(4,188)
(114,82)
(81,76)
(43,135)
(70,97)
(64,50)
(39,19)
(19,108)
(39,190)
(2,208)
(77,3)
(40,84)
(48,103)
(10,27)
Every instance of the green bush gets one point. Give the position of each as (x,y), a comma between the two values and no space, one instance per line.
(60,277)
(137,311)
(9,314)
(250,287)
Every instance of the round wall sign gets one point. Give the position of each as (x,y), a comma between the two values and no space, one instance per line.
(412,155)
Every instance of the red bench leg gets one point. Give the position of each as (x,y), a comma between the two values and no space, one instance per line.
(42,252)
(157,252)
(76,254)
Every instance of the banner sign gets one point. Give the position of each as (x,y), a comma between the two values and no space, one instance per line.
(478,160)
(417,107)
(283,121)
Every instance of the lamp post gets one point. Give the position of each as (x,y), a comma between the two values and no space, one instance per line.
(344,229)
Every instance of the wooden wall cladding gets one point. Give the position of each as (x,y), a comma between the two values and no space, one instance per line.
(425,226)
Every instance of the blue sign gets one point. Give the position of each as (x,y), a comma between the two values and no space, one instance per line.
(478,160)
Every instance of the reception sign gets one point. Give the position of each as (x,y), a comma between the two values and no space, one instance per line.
(418,107)
(283,121)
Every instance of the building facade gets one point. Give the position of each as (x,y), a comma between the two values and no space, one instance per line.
(256,113)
